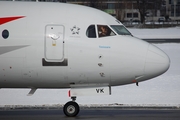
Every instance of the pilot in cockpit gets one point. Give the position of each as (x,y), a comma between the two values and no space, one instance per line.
(102,30)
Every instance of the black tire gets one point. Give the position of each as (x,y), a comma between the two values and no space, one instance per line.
(71,109)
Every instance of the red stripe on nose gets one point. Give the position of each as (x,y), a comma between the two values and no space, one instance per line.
(8,19)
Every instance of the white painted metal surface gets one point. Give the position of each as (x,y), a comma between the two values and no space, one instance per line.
(27,59)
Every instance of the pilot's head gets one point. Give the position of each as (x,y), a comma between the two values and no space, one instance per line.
(103,31)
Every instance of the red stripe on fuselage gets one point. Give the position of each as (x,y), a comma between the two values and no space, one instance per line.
(8,19)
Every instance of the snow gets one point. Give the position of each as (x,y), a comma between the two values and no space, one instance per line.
(156,33)
(163,90)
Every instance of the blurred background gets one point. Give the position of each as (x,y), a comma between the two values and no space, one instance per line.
(134,13)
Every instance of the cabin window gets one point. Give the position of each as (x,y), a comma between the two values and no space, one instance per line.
(91,31)
(120,29)
(104,31)
(5,34)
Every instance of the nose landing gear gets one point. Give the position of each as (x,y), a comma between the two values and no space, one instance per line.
(71,108)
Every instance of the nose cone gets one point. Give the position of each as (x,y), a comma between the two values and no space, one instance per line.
(157,62)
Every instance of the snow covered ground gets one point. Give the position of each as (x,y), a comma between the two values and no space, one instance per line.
(162,90)
(156,33)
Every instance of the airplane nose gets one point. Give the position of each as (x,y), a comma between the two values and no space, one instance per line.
(157,62)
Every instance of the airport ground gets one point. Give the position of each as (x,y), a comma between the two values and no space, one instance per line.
(86,113)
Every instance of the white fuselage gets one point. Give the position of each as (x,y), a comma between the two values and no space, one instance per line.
(48,48)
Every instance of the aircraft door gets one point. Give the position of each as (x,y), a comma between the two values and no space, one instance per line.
(54,43)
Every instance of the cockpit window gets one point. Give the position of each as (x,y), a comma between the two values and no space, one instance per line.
(104,31)
(91,31)
(120,29)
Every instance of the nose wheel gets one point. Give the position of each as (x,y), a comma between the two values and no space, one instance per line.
(71,108)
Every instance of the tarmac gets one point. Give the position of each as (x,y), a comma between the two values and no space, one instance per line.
(115,112)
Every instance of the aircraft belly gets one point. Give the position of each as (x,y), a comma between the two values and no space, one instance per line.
(54,75)
(10,71)
(19,72)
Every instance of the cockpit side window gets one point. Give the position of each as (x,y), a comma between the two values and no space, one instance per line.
(104,31)
(91,31)
(120,29)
